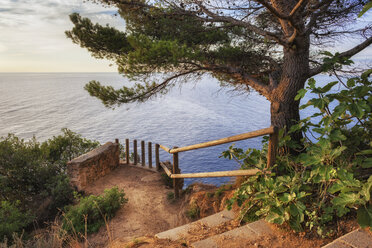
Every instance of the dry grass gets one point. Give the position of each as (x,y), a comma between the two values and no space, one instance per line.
(54,236)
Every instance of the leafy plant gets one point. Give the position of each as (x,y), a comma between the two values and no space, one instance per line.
(170,197)
(221,189)
(32,174)
(331,176)
(12,219)
(63,148)
(92,211)
(193,212)
(166,180)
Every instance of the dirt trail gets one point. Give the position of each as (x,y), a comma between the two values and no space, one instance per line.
(147,212)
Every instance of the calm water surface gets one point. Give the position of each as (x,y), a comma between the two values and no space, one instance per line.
(40,104)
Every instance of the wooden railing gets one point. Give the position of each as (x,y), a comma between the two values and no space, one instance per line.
(174,174)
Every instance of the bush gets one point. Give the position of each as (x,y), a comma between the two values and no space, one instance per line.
(63,148)
(193,212)
(33,174)
(12,219)
(93,211)
(31,170)
(331,176)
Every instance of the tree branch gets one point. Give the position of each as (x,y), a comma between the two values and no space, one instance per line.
(296,8)
(215,17)
(348,53)
(243,78)
(161,86)
(279,15)
(321,7)
(288,18)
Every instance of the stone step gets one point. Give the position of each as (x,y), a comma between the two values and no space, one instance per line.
(249,232)
(211,221)
(355,239)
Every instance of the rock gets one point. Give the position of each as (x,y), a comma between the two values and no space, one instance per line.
(93,165)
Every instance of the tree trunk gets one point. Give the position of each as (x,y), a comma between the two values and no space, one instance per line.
(284,109)
(285,114)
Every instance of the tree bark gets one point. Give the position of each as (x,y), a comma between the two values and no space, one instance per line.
(284,109)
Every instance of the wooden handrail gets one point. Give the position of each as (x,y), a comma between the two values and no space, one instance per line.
(273,143)
(166,169)
(165,148)
(235,173)
(253,134)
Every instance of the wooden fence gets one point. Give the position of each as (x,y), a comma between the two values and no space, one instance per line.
(273,143)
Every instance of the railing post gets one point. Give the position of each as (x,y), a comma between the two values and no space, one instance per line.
(117,141)
(127,151)
(175,171)
(150,154)
(143,153)
(272,149)
(135,152)
(157,158)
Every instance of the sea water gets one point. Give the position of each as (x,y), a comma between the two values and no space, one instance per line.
(41,104)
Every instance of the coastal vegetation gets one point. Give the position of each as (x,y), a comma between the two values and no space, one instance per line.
(330,178)
(34,185)
(92,212)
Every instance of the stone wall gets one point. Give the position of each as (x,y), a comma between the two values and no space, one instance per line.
(93,165)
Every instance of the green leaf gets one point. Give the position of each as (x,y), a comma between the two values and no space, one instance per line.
(326,88)
(295,224)
(337,151)
(338,186)
(339,110)
(367,163)
(350,82)
(311,82)
(366,189)
(286,197)
(366,74)
(327,53)
(300,94)
(356,110)
(273,217)
(336,135)
(346,198)
(364,216)
(365,9)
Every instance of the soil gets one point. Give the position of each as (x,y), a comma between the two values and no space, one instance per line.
(147,212)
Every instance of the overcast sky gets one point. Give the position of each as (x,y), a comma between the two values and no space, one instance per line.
(32,36)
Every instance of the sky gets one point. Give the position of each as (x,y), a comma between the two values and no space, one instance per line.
(32,37)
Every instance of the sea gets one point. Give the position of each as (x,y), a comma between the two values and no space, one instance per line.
(41,104)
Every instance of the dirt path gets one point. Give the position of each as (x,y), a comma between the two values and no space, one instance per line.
(147,212)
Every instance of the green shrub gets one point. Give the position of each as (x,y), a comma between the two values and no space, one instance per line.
(33,174)
(170,196)
(63,148)
(167,180)
(31,170)
(331,176)
(193,212)
(221,189)
(93,211)
(12,219)
(209,194)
